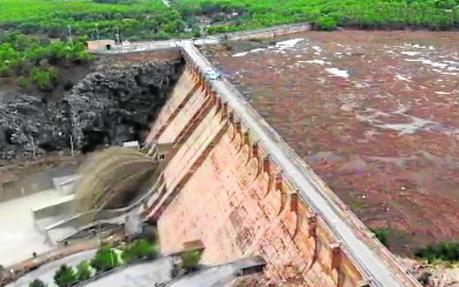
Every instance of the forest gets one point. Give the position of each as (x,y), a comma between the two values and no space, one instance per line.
(38,35)
(32,60)
(326,14)
(92,18)
(151,19)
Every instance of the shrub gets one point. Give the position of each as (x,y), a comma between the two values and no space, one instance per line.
(383,235)
(445,251)
(83,56)
(190,260)
(4,71)
(326,23)
(446,4)
(24,83)
(83,270)
(105,259)
(37,283)
(140,249)
(43,78)
(196,33)
(65,276)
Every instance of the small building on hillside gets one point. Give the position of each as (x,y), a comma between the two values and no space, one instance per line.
(100,44)
(131,144)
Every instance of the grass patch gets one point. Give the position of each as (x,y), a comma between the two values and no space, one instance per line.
(357,205)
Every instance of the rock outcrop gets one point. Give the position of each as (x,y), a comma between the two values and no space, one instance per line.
(29,126)
(118,105)
(430,275)
(107,107)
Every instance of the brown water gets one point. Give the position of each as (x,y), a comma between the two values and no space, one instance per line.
(376,114)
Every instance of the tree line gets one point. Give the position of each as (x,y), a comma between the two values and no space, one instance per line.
(33,60)
(327,15)
(34,36)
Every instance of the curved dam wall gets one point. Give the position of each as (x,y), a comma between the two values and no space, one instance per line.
(221,186)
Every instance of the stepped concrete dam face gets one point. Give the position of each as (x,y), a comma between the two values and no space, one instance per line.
(232,184)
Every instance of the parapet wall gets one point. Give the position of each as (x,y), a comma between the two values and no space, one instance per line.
(223,187)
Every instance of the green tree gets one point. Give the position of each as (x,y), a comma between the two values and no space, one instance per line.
(446,4)
(190,260)
(83,270)
(37,283)
(326,23)
(44,78)
(4,71)
(140,249)
(106,259)
(24,83)
(65,276)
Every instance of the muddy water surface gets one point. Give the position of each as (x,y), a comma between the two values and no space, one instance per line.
(376,114)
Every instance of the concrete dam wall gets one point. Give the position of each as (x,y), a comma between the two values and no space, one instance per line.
(232,183)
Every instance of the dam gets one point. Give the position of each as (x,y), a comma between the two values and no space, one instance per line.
(230,185)
(231,182)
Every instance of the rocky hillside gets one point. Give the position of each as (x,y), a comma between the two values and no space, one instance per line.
(109,106)
(433,275)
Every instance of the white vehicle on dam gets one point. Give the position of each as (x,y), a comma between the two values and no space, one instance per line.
(213,75)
